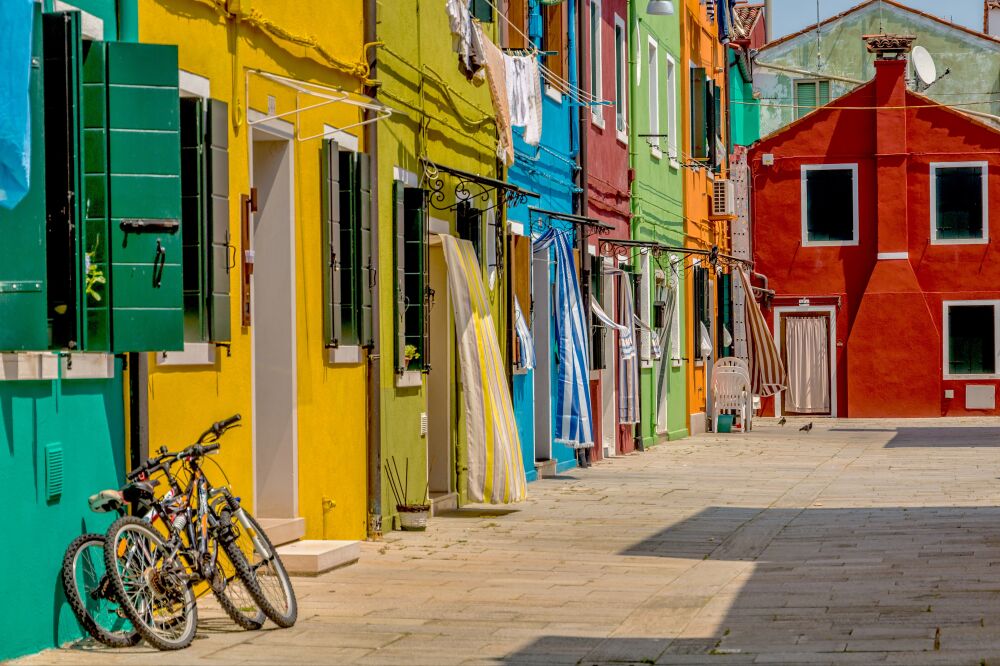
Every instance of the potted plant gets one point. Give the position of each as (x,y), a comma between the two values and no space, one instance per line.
(410,353)
(412,516)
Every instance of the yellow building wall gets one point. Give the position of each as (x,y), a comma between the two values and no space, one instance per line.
(700,45)
(331,399)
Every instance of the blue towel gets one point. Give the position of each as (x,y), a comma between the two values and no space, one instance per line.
(15,112)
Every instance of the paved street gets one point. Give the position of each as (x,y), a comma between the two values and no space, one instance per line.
(861,542)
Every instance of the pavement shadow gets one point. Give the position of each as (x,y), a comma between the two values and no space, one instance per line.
(839,585)
(967,437)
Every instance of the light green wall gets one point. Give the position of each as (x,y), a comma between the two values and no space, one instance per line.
(744,110)
(658,194)
(974,61)
(447,118)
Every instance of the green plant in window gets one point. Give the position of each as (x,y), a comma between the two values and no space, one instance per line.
(95,276)
(410,353)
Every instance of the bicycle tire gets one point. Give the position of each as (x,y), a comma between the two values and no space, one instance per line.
(239,603)
(270,585)
(72,567)
(188,618)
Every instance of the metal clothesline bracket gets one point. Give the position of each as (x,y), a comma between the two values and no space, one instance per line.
(471,187)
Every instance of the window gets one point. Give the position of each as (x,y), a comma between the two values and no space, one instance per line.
(654,96)
(469,224)
(346,247)
(830,204)
(643,307)
(671,107)
(699,115)
(410,285)
(970,339)
(598,361)
(482,10)
(205,219)
(554,38)
(516,25)
(675,330)
(596,57)
(959,202)
(621,79)
(702,310)
(725,300)
(810,95)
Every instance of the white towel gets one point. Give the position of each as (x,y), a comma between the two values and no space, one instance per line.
(460,21)
(524,93)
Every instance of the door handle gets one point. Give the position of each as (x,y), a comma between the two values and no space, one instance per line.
(159,261)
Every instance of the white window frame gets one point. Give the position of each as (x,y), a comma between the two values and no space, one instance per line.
(675,331)
(672,110)
(804,208)
(985,238)
(644,309)
(596,64)
(622,76)
(653,70)
(946,334)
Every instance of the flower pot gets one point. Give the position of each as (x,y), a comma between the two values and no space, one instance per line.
(413,517)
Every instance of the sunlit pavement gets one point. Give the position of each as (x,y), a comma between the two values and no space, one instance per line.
(858,542)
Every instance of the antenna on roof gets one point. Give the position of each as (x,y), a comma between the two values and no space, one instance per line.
(925,69)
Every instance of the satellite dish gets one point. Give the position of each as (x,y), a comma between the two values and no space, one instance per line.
(923,65)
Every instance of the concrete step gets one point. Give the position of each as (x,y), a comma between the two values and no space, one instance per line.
(309,558)
(441,502)
(283,530)
(546,468)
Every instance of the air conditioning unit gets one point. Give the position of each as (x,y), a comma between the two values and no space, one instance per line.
(723,200)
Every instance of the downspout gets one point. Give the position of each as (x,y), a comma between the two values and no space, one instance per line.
(633,51)
(374,376)
(582,207)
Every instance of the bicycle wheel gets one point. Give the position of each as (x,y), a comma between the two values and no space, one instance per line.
(270,584)
(232,593)
(151,584)
(89,595)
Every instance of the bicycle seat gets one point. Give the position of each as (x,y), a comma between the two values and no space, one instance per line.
(137,491)
(106,500)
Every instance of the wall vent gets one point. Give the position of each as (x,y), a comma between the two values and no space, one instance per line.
(53,471)
(423,424)
(723,199)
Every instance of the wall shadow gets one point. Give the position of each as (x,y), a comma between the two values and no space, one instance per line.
(841,585)
(954,437)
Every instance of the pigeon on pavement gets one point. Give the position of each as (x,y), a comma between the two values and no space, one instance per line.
(807,427)
(782,421)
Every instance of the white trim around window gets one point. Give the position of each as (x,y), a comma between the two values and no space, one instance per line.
(653,70)
(621,80)
(985,238)
(804,207)
(946,334)
(672,108)
(596,62)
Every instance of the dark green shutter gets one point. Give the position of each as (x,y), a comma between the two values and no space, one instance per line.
(415,277)
(598,361)
(193,211)
(469,224)
(217,176)
(145,201)
(699,147)
(347,256)
(805,97)
(364,251)
(399,269)
(725,296)
(331,243)
(710,120)
(823,93)
(482,10)
(22,252)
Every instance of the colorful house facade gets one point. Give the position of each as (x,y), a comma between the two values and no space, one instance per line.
(657,189)
(872,220)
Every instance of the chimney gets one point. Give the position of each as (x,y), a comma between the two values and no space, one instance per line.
(991,17)
(890,137)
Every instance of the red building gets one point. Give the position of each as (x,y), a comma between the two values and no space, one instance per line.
(606,197)
(872,222)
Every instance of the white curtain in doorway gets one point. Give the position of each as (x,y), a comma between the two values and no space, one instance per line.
(496,471)
(807,347)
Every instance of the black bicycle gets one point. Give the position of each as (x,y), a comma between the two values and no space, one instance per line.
(207,538)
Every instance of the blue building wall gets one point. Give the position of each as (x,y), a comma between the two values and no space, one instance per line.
(548,170)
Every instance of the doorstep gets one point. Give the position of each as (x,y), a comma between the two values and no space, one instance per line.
(546,469)
(309,558)
(442,502)
(283,530)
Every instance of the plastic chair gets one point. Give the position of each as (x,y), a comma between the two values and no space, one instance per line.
(731,393)
(736,364)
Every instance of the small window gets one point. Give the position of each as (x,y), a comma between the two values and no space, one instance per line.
(671,107)
(621,79)
(830,204)
(482,10)
(959,203)
(515,27)
(596,58)
(554,38)
(653,69)
(643,307)
(410,284)
(699,113)
(810,95)
(970,344)
(702,309)
(675,324)
(597,359)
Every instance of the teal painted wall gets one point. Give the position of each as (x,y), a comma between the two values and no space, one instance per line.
(658,195)
(744,110)
(86,418)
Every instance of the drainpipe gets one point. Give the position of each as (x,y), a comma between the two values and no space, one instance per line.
(632,50)
(580,178)
(768,31)
(374,375)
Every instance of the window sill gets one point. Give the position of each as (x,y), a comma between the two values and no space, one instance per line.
(43,366)
(656,152)
(553,94)
(195,353)
(622,137)
(809,243)
(676,362)
(674,164)
(410,379)
(646,364)
(597,120)
(521,371)
(346,355)
(960,241)
(960,378)
(700,363)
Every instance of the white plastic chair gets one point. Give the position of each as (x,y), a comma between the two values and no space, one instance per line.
(733,362)
(731,393)
(736,364)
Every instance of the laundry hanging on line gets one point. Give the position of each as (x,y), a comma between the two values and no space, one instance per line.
(15,126)
(524,95)
(628,366)
(496,75)
(526,346)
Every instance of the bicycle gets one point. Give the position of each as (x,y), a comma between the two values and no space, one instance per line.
(153,572)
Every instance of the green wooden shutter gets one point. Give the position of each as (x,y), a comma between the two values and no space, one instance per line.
(482,10)
(415,276)
(347,259)
(95,239)
(193,211)
(710,120)
(725,296)
(364,253)
(805,97)
(469,223)
(823,88)
(145,201)
(399,270)
(22,252)
(331,244)
(699,147)
(217,222)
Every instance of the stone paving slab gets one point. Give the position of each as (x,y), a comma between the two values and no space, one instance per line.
(861,542)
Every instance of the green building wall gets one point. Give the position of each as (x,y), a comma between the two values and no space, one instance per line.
(744,110)
(658,198)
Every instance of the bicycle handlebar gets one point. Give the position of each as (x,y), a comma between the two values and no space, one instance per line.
(159,462)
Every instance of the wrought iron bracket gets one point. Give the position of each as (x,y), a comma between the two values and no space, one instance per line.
(470,187)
